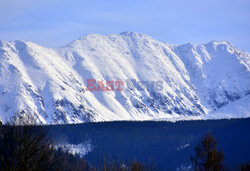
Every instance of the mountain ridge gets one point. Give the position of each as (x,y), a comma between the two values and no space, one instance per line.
(50,84)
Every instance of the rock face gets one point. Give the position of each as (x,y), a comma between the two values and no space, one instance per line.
(168,81)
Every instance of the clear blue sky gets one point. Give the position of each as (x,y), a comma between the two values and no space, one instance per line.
(53,23)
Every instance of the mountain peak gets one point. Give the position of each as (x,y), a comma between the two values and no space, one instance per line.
(130,33)
(185,80)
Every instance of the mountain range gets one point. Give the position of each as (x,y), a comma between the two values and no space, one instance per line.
(50,85)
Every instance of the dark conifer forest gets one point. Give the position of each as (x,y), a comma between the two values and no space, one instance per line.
(148,145)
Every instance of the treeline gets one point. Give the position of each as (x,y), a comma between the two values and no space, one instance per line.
(158,143)
(30,148)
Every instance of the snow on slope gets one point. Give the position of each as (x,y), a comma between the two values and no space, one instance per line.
(50,84)
(237,109)
(81,149)
(219,71)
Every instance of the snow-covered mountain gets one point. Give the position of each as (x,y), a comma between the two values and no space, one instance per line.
(194,81)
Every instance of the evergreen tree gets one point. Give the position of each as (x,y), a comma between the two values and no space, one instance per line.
(207,157)
(25,148)
(245,167)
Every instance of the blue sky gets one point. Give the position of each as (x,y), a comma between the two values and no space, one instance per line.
(54,23)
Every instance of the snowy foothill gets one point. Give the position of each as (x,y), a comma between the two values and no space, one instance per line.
(81,149)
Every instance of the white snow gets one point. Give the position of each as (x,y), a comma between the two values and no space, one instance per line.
(81,149)
(206,81)
(183,147)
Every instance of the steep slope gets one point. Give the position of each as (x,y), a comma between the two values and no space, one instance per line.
(160,80)
(32,85)
(219,71)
